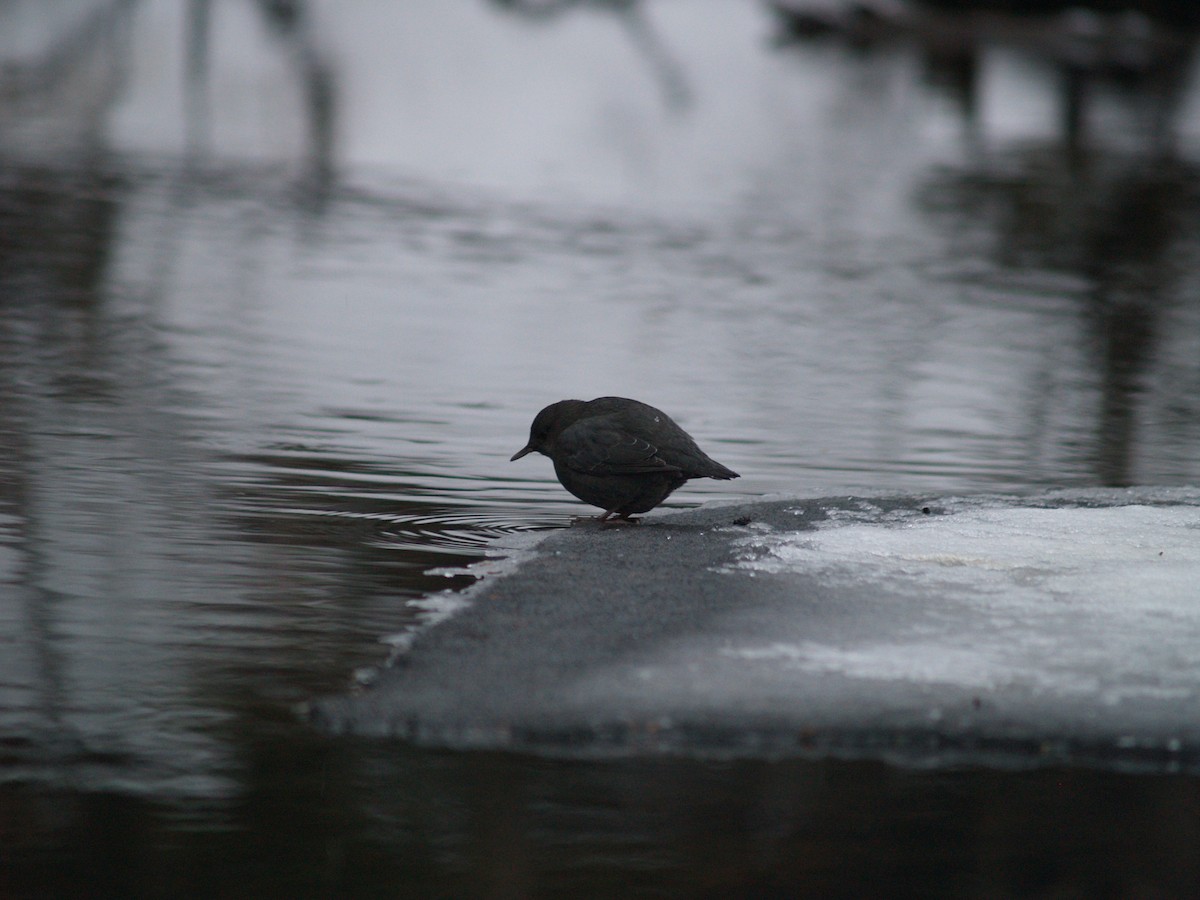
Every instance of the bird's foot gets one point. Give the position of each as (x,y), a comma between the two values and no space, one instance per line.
(612,518)
(608,518)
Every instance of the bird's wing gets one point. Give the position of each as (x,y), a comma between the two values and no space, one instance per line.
(598,449)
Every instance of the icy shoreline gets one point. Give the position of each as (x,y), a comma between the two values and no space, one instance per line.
(986,629)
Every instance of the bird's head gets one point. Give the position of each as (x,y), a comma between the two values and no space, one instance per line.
(547,425)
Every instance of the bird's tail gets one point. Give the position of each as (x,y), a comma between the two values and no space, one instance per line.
(720,472)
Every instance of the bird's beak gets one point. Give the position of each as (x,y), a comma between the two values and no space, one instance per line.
(524,451)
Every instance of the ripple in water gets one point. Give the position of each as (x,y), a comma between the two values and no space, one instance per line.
(460,531)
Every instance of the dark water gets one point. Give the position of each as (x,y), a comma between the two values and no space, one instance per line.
(320,819)
(280,289)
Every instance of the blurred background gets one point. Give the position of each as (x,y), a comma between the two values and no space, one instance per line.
(283,283)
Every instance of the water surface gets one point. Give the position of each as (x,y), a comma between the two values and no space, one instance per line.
(280,293)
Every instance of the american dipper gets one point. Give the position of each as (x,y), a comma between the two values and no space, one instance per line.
(620,455)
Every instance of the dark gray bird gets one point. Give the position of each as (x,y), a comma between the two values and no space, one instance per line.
(620,455)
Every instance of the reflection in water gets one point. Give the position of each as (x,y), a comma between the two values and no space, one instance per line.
(1123,230)
(234,436)
(1143,50)
(357,819)
(290,22)
(1133,286)
(195,99)
(642,34)
(61,74)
